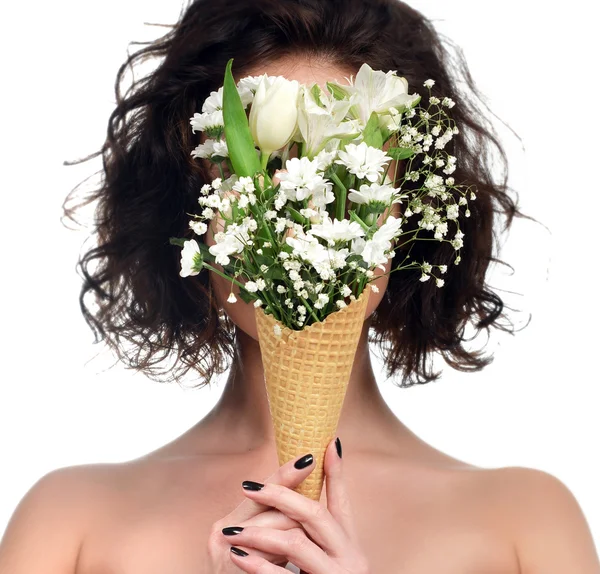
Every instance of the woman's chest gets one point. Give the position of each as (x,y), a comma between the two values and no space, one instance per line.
(405,534)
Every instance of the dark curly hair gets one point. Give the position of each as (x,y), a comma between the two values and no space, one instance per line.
(147,313)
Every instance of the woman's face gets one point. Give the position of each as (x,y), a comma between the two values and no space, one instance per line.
(241,313)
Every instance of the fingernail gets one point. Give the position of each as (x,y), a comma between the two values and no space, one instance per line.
(251,485)
(238,551)
(338,446)
(303,462)
(232,530)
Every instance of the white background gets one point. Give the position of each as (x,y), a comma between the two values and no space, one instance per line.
(535,406)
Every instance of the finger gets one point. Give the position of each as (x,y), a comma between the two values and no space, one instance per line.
(253,564)
(338,500)
(294,544)
(275,177)
(272,518)
(287,475)
(312,515)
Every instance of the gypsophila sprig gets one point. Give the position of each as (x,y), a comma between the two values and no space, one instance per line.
(300,254)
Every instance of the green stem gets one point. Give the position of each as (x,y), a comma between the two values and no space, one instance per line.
(264,160)
(341,203)
(222,274)
(305,303)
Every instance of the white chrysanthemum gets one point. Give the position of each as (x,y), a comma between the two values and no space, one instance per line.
(205,121)
(214,101)
(363,160)
(336,230)
(190,258)
(211,148)
(302,181)
(375,193)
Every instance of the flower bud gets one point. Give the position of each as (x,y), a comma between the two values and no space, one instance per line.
(274,113)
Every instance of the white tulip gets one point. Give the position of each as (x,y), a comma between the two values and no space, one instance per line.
(274,113)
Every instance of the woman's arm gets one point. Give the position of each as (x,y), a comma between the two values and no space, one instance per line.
(552,535)
(44,532)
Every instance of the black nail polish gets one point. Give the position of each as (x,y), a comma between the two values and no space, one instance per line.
(232,530)
(303,462)
(238,551)
(338,446)
(251,485)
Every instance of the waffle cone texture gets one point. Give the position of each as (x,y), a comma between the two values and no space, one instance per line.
(306,378)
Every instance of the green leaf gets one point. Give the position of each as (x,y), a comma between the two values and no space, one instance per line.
(246,296)
(242,152)
(316,94)
(296,215)
(399,153)
(372,134)
(338,92)
(177,241)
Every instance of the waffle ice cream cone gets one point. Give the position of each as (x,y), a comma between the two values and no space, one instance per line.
(306,377)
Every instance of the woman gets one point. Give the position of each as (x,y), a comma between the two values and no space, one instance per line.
(392,503)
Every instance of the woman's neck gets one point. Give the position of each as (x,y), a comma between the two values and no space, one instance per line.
(242,413)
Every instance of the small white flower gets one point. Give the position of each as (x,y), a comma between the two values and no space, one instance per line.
(199,227)
(302,309)
(452,211)
(216,183)
(260,283)
(346,290)
(468,213)
(341,303)
(374,288)
(439,282)
(443,268)
(424,277)
(208,213)
(281,289)
(232,298)
(429,83)
(258,303)
(251,286)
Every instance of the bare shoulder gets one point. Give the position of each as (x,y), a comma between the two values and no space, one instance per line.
(546,522)
(46,529)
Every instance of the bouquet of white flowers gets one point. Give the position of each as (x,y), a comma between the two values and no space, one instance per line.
(303,244)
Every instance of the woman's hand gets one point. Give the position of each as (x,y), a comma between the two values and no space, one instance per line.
(325,540)
(254,514)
